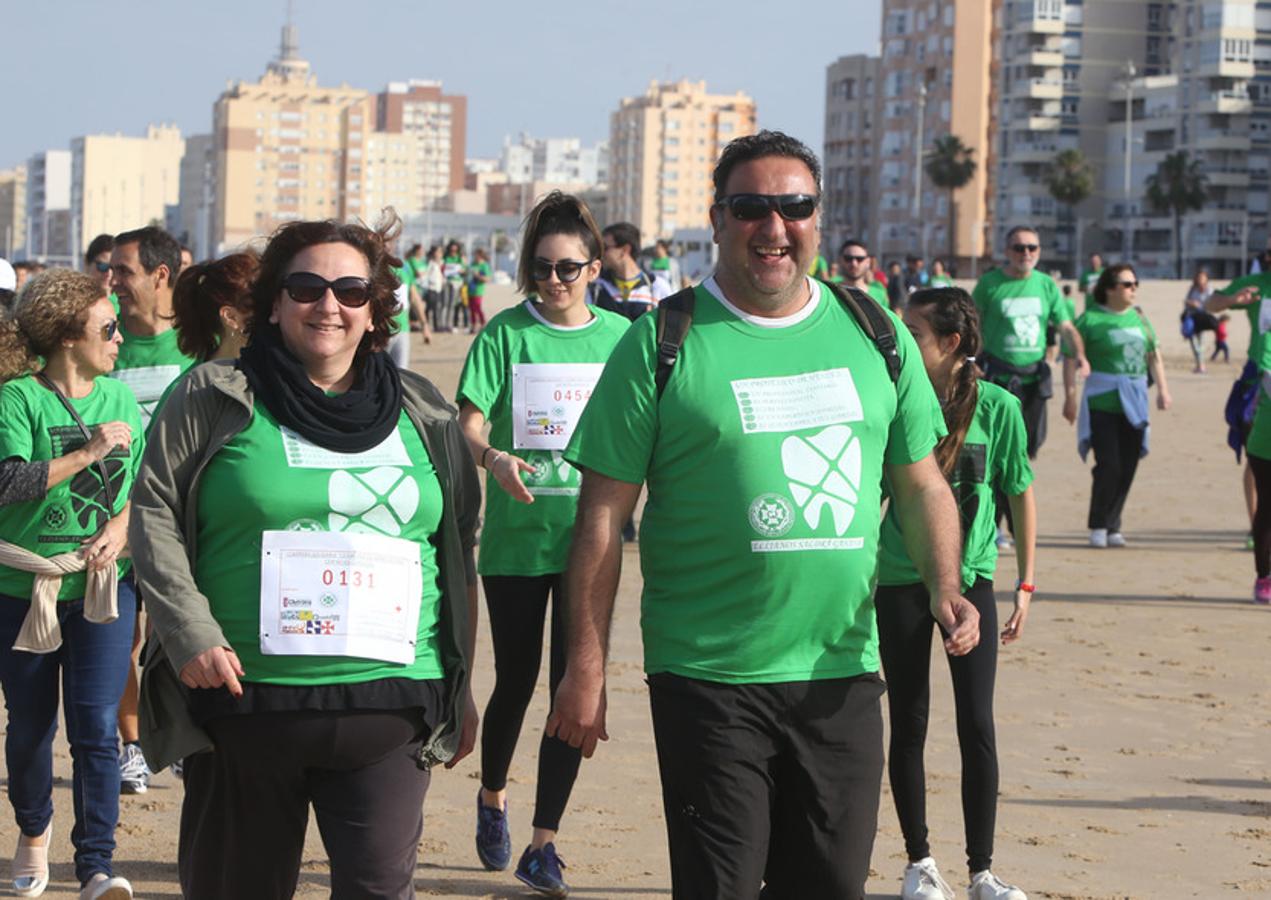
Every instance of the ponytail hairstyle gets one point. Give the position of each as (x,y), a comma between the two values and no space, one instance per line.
(557,213)
(202,289)
(950,310)
(51,308)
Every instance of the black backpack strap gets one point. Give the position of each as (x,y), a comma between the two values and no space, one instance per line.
(874,321)
(675,317)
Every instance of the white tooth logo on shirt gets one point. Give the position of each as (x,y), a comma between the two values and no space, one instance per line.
(381,500)
(825,475)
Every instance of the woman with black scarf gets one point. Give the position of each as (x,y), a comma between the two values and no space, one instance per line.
(304,523)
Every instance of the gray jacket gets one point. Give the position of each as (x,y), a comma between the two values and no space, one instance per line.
(202,413)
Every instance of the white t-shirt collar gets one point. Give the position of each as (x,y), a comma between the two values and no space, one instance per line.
(814,291)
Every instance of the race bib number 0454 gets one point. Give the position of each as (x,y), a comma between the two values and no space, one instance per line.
(547,401)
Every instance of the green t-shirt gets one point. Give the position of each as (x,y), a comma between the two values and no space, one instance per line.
(114,301)
(1014,313)
(1259,314)
(820,268)
(940,281)
(34,426)
(148,363)
(1116,343)
(406,275)
(268,479)
(994,457)
(1086,281)
(477,288)
(879,292)
(520,538)
(453,268)
(764,463)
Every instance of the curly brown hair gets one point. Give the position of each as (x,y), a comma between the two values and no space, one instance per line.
(51,308)
(202,289)
(372,243)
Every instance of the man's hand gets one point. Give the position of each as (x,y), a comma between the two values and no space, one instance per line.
(578,712)
(468,736)
(960,619)
(213,668)
(1070,408)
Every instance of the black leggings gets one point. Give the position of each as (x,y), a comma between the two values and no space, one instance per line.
(518,607)
(1117,446)
(904,638)
(1261,469)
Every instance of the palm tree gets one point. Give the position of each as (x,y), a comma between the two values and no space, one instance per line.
(1177,187)
(1070,179)
(950,165)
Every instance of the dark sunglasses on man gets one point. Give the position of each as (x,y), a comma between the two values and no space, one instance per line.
(752,207)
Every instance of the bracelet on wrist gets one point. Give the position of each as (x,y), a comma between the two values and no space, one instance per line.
(483,455)
(1024,586)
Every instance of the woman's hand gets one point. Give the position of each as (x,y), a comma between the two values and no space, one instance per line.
(1163,400)
(468,735)
(507,470)
(102,549)
(213,668)
(107,437)
(1070,408)
(1015,624)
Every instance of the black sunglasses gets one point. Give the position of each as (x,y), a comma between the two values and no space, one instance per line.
(1025,248)
(102,267)
(751,207)
(109,330)
(308,287)
(567,270)
(1128,284)
(854,259)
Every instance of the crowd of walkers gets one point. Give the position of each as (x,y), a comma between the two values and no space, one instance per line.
(239,448)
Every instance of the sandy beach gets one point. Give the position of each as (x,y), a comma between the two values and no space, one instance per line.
(1133,716)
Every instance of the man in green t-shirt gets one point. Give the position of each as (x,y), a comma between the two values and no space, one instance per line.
(854,257)
(764,459)
(1090,277)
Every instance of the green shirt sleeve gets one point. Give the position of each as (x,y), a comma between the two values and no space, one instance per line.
(484,375)
(1013,472)
(15,425)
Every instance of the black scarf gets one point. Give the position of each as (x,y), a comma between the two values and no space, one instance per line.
(357,420)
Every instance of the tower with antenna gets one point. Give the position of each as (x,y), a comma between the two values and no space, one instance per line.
(289,66)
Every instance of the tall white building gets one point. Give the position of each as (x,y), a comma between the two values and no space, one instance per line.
(48,208)
(564,160)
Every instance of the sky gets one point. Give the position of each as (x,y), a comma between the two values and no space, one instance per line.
(551,69)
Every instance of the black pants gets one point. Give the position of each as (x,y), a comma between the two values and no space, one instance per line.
(904,639)
(1033,406)
(1261,469)
(247,804)
(1117,445)
(518,608)
(775,783)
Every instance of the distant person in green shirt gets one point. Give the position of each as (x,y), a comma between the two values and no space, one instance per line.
(665,266)
(939,277)
(478,277)
(1112,417)
(453,269)
(70,445)
(764,458)
(983,452)
(855,259)
(1090,276)
(97,263)
(529,374)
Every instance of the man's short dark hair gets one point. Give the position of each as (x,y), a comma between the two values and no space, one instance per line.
(853,242)
(103,243)
(624,234)
(1010,235)
(155,247)
(757,146)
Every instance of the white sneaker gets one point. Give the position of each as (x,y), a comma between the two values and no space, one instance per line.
(1099,537)
(105,887)
(987,886)
(923,882)
(134,774)
(1116,539)
(1004,539)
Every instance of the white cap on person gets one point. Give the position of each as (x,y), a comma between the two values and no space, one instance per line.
(8,277)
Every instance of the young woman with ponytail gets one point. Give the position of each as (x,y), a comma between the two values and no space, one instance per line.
(985,450)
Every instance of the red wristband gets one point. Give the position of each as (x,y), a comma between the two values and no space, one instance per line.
(1027,588)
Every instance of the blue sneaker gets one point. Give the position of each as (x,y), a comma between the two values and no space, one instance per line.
(540,869)
(494,844)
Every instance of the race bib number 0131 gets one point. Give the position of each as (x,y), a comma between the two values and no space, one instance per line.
(547,401)
(329,594)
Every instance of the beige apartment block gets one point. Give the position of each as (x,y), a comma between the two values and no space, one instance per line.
(848,190)
(663,146)
(935,81)
(12,211)
(119,182)
(439,122)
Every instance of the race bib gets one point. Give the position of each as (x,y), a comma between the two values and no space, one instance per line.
(328,594)
(1264,316)
(547,401)
(147,384)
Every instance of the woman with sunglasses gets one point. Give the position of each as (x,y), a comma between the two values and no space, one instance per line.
(529,374)
(985,451)
(306,517)
(70,441)
(1112,418)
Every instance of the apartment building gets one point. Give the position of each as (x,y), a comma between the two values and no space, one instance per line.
(438,122)
(528,158)
(12,211)
(48,208)
(120,182)
(192,221)
(934,77)
(662,149)
(848,165)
